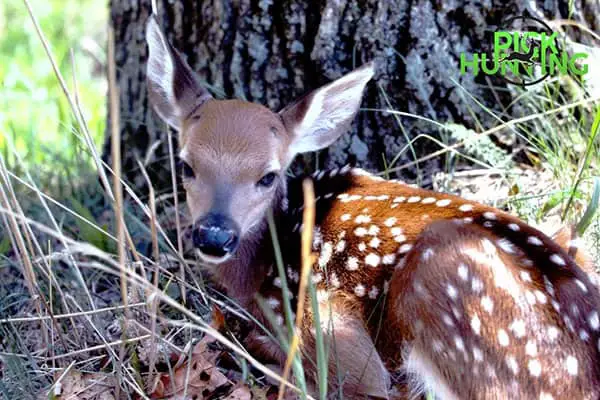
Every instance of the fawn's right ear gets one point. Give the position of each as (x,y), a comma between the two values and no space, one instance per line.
(173,88)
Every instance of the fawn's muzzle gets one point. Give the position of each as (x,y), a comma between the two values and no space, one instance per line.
(216,236)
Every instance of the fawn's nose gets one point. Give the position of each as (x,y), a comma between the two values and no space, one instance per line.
(216,236)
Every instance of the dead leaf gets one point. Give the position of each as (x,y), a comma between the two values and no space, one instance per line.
(78,386)
(199,373)
(239,393)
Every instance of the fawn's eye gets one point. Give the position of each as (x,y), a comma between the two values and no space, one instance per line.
(186,170)
(267,180)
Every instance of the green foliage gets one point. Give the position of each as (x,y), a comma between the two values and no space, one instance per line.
(34,115)
(479,146)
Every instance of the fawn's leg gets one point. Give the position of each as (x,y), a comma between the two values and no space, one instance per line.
(491,313)
(354,363)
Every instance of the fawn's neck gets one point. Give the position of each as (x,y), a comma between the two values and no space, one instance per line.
(244,274)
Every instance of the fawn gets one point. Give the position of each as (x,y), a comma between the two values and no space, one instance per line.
(474,303)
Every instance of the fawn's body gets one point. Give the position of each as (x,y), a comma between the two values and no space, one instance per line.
(416,290)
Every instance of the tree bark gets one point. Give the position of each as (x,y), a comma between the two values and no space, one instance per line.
(272,51)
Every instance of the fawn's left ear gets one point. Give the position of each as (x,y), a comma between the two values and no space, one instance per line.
(173,88)
(318,119)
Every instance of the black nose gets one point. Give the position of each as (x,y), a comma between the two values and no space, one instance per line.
(216,235)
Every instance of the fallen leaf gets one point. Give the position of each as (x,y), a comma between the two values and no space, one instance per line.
(239,393)
(197,376)
(79,386)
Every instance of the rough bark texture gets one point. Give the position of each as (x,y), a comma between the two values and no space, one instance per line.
(271,52)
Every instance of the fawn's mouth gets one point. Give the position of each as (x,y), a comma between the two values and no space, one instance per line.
(212,259)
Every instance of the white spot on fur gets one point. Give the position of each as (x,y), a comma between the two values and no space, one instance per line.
(487,304)
(340,246)
(373,293)
(325,255)
(388,259)
(317,278)
(405,248)
(535,368)
(503,338)
(490,215)
(518,328)
(594,320)
(572,365)
(530,297)
(466,208)
(552,333)
(373,230)
(514,227)
(273,302)
(511,362)
(525,276)
(452,292)
(400,238)
(390,221)
(463,271)
(531,348)
(506,245)
(375,242)
(558,260)
(448,320)
(534,240)
(443,202)
(459,343)
(360,231)
(399,199)
(352,264)
(362,246)
(428,200)
(427,254)
(476,285)
(396,231)
(345,217)
(413,199)
(476,324)
(279,320)
(334,280)
(372,260)
(477,354)
(581,285)
(540,296)
(362,219)
(359,290)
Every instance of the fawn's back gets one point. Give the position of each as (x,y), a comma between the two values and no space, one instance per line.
(416,290)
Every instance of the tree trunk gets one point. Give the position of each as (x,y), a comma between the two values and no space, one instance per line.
(271,52)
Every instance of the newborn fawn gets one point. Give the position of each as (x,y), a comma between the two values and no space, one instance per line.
(418,292)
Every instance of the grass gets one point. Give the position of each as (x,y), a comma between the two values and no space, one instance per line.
(75,295)
(35,118)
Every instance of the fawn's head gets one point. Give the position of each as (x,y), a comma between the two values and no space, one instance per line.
(234,153)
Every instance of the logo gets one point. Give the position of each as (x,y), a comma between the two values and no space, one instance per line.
(525,51)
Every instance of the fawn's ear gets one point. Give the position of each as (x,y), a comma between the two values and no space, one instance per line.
(318,119)
(173,88)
